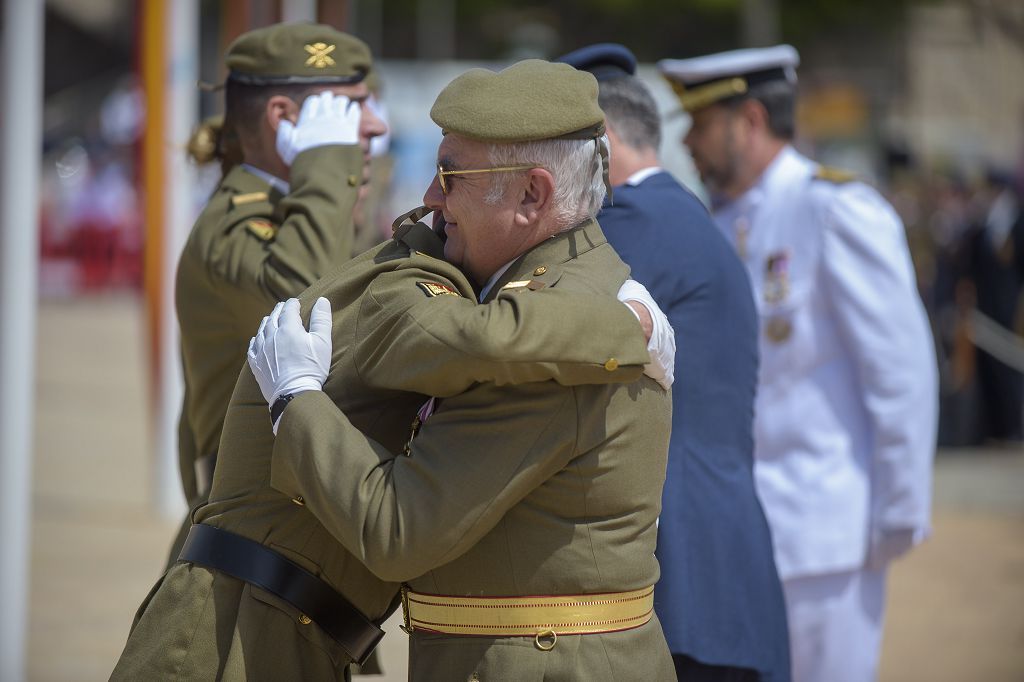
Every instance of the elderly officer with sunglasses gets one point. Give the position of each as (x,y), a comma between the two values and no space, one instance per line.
(297,119)
(522,518)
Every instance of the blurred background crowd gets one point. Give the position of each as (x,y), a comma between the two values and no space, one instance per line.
(922,97)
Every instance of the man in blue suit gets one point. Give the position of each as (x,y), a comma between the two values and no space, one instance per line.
(719,598)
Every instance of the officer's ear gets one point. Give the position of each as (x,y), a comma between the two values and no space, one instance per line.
(537,197)
(280,107)
(754,114)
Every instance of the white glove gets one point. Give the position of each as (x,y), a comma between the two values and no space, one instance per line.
(324,119)
(284,357)
(888,545)
(662,346)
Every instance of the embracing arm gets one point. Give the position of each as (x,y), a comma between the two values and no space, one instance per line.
(479,455)
(441,345)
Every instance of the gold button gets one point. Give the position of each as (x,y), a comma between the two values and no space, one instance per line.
(302,503)
(540,271)
(611,365)
(304,619)
(353,181)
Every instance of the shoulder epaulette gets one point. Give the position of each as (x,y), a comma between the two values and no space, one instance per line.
(837,176)
(242,199)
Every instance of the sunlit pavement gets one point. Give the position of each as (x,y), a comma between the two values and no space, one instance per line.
(956,605)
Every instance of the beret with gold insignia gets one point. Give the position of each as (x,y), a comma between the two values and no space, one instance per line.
(530,100)
(297,53)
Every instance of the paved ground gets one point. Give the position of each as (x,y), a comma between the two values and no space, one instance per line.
(956,606)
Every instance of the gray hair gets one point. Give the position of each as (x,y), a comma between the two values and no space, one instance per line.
(631,110)
(575,166)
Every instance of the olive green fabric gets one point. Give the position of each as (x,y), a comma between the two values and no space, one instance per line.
(530,100)
(369,216)
(250,248)
(532,489)
(394,343)
(298,53)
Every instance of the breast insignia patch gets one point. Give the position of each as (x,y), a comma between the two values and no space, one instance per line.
(437,289)
(263,229)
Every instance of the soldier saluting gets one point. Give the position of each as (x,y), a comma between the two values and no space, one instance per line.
(296,118)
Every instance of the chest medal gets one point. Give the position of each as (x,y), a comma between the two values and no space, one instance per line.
(778,329)
(776,277)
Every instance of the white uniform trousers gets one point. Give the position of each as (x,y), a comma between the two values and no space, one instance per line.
(835,625)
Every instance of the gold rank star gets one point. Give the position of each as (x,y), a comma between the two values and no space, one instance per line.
(320,55)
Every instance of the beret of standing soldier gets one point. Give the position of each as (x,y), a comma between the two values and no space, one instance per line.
(294,141)
(508,491)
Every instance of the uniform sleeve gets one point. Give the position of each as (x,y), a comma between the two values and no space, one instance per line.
(315,231)
(870,285)
(474,459)
(442,345)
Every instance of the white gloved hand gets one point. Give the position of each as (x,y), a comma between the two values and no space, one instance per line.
(888,545)
(284,357)
(662,344)
(324,119)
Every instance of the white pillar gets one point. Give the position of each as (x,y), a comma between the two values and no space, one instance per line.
(22,50)
(298,10)
(182,113)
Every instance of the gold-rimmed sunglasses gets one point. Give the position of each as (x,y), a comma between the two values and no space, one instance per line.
(442,173)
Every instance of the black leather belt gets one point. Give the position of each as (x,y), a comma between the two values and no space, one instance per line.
(254,563)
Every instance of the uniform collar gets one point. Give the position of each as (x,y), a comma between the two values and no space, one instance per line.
(543,263)
(641,175)
(494,278)
(272,180)
(778,173)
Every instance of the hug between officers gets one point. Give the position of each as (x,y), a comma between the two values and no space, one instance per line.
(565,420)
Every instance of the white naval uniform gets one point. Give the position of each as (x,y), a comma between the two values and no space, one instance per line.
(846,411)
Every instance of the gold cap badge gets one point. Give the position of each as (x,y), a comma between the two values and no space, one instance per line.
(320,55)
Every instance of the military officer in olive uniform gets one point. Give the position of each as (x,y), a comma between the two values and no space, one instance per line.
(846,411)
(296,107)
(262,590)
(507,492)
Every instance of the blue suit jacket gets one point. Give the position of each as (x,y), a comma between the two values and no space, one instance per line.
(719,598)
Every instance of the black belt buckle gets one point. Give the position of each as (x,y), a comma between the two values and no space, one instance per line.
(259,565)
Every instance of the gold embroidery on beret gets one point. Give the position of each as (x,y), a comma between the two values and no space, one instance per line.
(320,55)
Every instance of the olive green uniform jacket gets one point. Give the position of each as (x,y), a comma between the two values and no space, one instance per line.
(250,248)
(532,489)
(406,325)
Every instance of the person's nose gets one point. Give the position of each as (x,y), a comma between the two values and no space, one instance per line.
(372,125)
(433,198)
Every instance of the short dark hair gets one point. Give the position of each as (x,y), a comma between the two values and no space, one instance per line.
(779,99)
(244,103)
(630,108)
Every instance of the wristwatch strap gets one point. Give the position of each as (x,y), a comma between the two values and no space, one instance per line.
(277,409)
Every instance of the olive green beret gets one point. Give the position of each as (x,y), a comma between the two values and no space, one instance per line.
(530,100)
(297,53)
